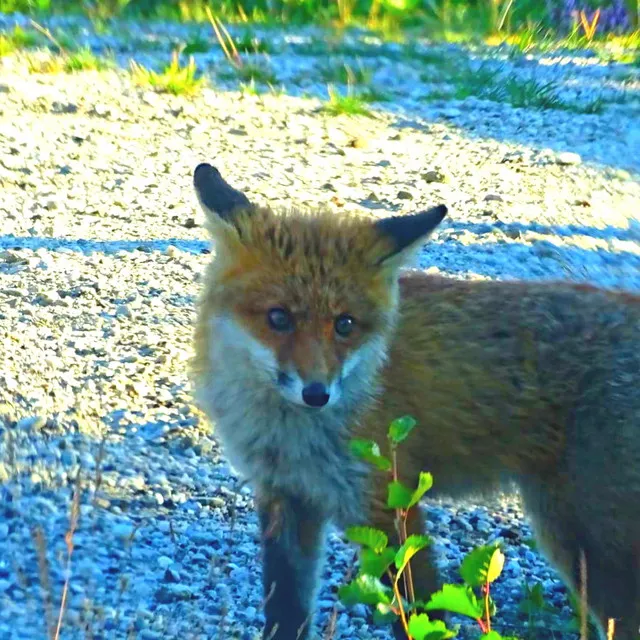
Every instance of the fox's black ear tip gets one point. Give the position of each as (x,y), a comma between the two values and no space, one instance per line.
(441,211)
(202,170)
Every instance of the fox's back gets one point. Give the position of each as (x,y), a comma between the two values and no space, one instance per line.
(498,373)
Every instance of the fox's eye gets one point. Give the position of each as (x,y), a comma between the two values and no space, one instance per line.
(280,319)
(344,325)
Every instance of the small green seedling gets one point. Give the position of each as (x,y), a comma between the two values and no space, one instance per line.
(384,580)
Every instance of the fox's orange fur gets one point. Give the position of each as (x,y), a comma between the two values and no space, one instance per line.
(533,383)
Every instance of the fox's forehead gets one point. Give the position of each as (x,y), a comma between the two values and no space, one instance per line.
(317,242)
(315,264)
(310,290)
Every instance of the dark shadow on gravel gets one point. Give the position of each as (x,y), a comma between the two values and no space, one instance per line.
(535,259)
(83,245)
(563,231)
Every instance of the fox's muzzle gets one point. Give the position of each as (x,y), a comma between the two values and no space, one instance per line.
(315,394)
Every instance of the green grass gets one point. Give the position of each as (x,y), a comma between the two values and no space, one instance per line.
(7,46)
(50,64)
(346,74)
(197,45)
(85,60)
(527,22)
(252,89)
(487,81)
(373,94)
(250,72)
(16,40)
(537,38)
(351,104)
(81,60)
(534,94)
(174,78)
(249,42)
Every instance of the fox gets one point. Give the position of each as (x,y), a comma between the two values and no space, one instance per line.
(313,329)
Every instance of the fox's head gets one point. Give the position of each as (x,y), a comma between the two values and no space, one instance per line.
(308,298)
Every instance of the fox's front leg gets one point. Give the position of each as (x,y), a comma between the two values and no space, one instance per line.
(292,543)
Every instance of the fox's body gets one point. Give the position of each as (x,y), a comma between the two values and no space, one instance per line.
(527,382)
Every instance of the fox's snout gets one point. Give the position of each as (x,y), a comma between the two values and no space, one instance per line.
(311,394)
(315,394)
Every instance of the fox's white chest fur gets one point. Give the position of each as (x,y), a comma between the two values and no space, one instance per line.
(276,445)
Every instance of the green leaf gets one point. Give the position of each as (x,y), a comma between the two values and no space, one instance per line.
(196,46)
(375,564)
(400,6)
(495,566)
(369,451)
(425,482)
(400,428)
(483,564)
(365,590)
(456,598)
(383,614)
(399,495)
(533,601)
(421,628)
(491,635)
(367,537)
(412,545)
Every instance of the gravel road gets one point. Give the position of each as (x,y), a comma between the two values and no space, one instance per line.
(101,254)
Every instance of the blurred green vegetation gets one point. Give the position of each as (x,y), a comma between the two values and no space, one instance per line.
(480,17)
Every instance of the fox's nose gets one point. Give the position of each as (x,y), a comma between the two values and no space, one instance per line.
(315,394)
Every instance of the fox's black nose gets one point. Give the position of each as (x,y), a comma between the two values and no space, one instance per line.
(315,394)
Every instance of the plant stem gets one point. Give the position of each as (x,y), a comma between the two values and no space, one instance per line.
(396,592)
(409,575)
(486,608)
(47,34)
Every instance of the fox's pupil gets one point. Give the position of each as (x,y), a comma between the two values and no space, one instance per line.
(344,325)
(280,319)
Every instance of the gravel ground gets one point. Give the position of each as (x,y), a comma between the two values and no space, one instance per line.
(101,253)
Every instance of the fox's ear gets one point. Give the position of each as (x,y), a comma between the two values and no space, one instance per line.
(407,233)
(217,198)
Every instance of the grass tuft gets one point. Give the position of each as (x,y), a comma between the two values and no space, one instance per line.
(256,72)
(248,42)
(197,45)
(16,40)
(346,74)
(50,64)
(84,60)
(351,104)
(174,78)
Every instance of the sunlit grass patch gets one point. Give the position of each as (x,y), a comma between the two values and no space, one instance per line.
(16,39)
(174,78)
(609,48)
(85,60)
(7,45)
(252,89)
(351,103)
(50,63)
